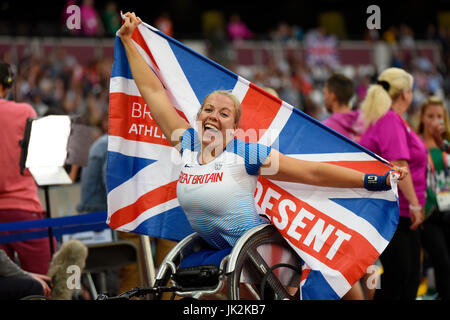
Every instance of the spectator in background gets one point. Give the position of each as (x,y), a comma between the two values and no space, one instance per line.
(389,136)
(19,200)
(237,29)
(435,234)
(283,33)
(406,37)
(111,18)
(164,24)
(91,24)
(93,176)
(391,35)
(303,83)
(321,49)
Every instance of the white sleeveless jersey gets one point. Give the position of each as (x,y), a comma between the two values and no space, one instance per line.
(218,197)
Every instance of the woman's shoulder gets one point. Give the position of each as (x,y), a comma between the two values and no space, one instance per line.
(390,121)
(391,116)
(238,145)
(253,153)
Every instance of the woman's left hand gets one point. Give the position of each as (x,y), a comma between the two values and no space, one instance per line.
(130,22)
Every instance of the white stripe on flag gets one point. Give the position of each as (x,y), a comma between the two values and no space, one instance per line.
(123,85)
(163,207)
(172,74)
(144,150)
(278,123)
(316,192)
(240,89)
(342,156)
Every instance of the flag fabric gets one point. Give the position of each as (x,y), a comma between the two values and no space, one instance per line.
(337,232)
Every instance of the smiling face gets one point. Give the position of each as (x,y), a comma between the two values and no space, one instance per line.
(217,120)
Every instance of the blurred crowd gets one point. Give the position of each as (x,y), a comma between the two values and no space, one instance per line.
(299,78)
(58,83)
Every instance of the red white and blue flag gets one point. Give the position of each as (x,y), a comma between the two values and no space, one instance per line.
(337,232)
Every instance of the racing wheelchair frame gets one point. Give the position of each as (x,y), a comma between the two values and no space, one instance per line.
(261,266)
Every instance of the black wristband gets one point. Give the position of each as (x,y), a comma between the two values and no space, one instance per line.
(373,182)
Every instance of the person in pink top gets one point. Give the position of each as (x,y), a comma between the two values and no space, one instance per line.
(91,23)
(19,200)
(388,135)
(238,30)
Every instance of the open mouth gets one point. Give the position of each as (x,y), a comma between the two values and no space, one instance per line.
(210,132)
(210,128)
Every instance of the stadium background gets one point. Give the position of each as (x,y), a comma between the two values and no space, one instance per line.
(413,35)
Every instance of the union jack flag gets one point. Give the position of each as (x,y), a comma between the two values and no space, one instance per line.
(337,232)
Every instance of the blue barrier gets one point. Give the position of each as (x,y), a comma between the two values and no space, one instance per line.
(94,221)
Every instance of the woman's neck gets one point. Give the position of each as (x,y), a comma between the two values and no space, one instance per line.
(399,107)
(210,152)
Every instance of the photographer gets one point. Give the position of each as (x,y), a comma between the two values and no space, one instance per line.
(19,200)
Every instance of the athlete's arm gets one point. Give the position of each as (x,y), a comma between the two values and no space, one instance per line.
(149,85)
(315,173)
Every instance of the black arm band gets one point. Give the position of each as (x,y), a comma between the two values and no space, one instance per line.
(373,182)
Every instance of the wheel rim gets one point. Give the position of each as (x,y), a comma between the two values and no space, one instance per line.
(249,258)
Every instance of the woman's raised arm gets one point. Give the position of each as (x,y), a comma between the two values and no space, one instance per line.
(285,168)
(149,85)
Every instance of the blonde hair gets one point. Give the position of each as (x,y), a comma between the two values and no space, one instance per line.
(236,103)
(433,100)
(391,83)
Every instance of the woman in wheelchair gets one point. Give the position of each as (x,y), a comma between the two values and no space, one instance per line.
(219,174)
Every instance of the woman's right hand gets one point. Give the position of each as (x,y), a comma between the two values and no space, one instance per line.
(130,23)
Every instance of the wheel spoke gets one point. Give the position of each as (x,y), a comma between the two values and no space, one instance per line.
(260,264)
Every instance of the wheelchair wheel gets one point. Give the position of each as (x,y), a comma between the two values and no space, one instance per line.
(253,263)
(35,297)
(184,248)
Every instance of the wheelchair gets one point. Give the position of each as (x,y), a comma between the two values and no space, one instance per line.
(261,266)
